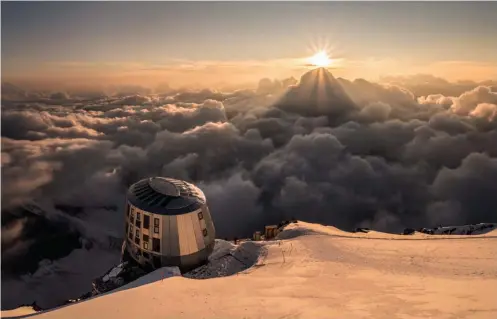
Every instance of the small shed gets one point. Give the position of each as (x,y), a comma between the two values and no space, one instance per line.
(271,231)
(257,236)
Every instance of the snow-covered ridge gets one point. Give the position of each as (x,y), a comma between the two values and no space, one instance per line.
(476,229)
(447,232)
(316,271)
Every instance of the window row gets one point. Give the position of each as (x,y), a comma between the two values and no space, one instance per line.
(146,225)
(146,221)
(146,240)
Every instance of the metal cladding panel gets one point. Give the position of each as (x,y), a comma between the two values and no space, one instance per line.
(192,237)
(162,233)
(212,229)
(165,240)
(211,233)
(192,241)
(187,242)
(199,238)
(202,223)
(182,236)
(173,237)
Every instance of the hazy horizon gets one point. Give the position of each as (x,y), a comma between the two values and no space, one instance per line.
(210,43)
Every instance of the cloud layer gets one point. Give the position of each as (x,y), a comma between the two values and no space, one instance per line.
(386,158)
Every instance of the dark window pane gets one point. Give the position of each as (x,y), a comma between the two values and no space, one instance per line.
(156,244)
(156,230)
(138,216)
(200,216)
(137,240)
(138,223)
(156,222)
(145,241)
(204,232)
(146,221)
(130,234)
(137,234)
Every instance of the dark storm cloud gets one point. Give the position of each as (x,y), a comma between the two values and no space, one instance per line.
(347,153)
(234,200)
(44,168)
(198,141)
(472,185)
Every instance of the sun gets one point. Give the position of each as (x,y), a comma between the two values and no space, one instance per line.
(320,59)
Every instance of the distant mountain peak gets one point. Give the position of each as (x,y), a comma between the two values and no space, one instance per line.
(318,93)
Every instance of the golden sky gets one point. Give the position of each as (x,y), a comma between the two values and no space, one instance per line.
(211,43)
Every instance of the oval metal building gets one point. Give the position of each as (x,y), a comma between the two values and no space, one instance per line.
(168,223)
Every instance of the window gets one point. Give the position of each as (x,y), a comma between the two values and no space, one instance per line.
(138,220)
(200,216)
(137,234)
(146,221)
(204,232)
(146,255)
(132,217)
(156,225)
(130,233)
(145,241)
(137,240)
(156,245)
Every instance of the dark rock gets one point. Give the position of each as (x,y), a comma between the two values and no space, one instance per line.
(362,230)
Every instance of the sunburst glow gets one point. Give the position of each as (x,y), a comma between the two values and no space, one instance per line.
(320,59)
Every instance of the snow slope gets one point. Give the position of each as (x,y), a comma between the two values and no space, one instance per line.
(18,312)
(314,271)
